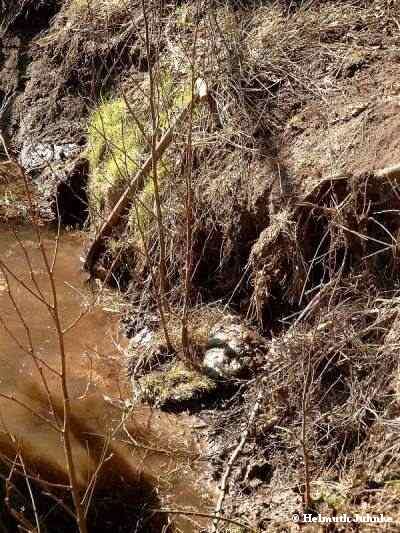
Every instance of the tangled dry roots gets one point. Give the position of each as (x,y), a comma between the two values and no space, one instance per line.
(344,226)
(111,46)
(276,272)
(349,349)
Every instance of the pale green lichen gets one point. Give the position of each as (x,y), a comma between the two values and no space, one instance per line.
(331,493)
(117,147)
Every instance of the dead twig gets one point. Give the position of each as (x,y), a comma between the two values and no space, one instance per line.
(124,200)
(206,515)
(234,456)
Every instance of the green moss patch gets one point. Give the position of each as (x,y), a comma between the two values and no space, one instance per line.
(175,386)
(115,145)
(117,148)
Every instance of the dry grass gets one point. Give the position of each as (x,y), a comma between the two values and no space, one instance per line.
(9,13)
(350,399)
(264,65)
(266,62)
(342,227)
(93,63)
(174,385)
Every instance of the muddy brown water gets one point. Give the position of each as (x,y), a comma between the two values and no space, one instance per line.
(151,459)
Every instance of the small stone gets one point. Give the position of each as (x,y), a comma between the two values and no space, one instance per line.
(217,363)
(143,338)
(232,348)
(35,156)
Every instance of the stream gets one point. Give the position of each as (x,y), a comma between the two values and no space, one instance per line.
(132,459)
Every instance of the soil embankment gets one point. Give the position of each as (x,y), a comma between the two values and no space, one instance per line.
(269,227)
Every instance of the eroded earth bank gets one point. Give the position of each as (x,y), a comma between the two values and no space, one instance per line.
(223,179)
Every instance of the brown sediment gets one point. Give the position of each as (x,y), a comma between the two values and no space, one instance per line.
(154,453)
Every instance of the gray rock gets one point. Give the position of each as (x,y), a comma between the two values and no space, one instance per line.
(232,336)
(37,155)
(143,338)
(218,363)
(231,349)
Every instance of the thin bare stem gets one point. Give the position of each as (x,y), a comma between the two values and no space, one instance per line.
(154,175)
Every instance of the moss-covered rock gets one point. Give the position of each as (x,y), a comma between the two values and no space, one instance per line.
(175,386)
